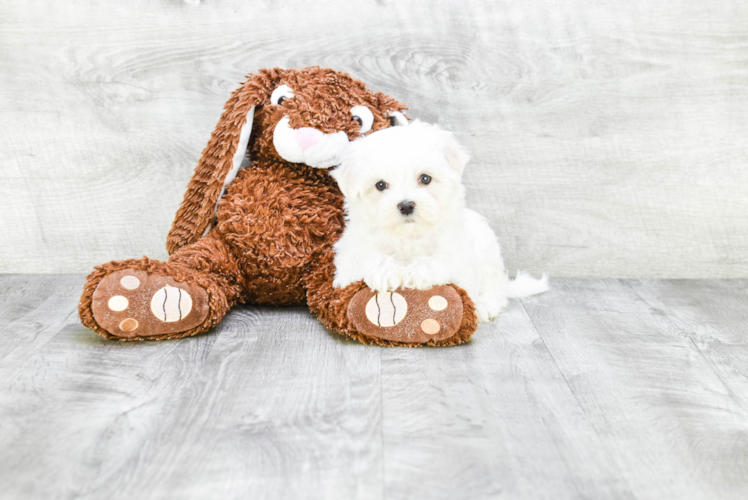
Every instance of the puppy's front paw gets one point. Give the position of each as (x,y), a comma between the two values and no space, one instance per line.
(384,283)
(424,272)
(385,275)
(341,281)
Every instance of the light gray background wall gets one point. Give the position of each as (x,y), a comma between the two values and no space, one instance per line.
(609,137)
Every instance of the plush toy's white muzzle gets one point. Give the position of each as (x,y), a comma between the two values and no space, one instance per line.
(308,145)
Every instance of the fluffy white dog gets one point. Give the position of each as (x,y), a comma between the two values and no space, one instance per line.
(407,224)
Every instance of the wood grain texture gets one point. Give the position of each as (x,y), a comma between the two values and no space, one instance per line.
(714,316)
(608,139)
(596,389)
(22,293)
(670,422)
(270,405)
(491,419)
(302,418)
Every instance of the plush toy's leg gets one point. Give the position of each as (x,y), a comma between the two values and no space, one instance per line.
(146,299)
(443,315)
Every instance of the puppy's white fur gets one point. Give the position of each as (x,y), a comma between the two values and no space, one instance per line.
(441,242)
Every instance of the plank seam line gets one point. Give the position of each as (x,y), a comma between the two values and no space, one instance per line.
(690,339)
(602,443)
(381,424)
(25,357)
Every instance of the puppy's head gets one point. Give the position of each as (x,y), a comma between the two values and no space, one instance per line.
(403,179)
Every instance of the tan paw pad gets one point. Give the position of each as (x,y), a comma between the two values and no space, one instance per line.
(129,325)
(386,309)
(130,282)
(438,303)
(118,303)
(171,304)
(430,326)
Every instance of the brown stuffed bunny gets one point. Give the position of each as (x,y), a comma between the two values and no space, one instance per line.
(258,222)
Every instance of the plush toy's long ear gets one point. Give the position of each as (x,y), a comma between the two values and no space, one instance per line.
(220,161)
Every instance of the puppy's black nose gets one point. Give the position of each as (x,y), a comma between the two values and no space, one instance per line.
(406,207)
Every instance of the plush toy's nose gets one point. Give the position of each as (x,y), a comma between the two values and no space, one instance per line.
(308,137)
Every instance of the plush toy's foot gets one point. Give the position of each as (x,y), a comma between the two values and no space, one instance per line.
(442,315)
(132,303)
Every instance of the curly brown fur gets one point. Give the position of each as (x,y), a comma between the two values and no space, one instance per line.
(323,100)
(271,239)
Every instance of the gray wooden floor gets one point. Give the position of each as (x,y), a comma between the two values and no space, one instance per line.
(598,389)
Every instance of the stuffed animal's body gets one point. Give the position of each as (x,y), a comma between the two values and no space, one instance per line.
(258,223)
(407,224)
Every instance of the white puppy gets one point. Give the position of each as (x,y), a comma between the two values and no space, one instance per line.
(407,225)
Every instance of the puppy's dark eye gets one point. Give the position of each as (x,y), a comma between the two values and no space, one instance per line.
(358,120)
(392,121)
(424,179)
(381,185)
(281,99)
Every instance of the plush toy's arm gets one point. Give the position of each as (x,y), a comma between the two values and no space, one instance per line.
(328,303)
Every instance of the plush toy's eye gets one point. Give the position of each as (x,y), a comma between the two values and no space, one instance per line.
(397,119)
(281,94)
(364,117)
(381,185)
(424,179)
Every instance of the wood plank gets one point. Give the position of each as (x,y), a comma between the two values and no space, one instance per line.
(282,409)
(670,424)
(47,304)
(22,293)
(597,389)
(269,397)
(714,315)
(84,412)
(493,418)
(607,141)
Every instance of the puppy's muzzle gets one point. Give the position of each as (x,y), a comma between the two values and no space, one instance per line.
(406,207)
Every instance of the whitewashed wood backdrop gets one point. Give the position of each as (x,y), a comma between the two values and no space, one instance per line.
(609,138)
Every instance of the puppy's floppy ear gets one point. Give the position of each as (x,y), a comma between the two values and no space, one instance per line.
(457,156)
(343,175)
(221,159)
